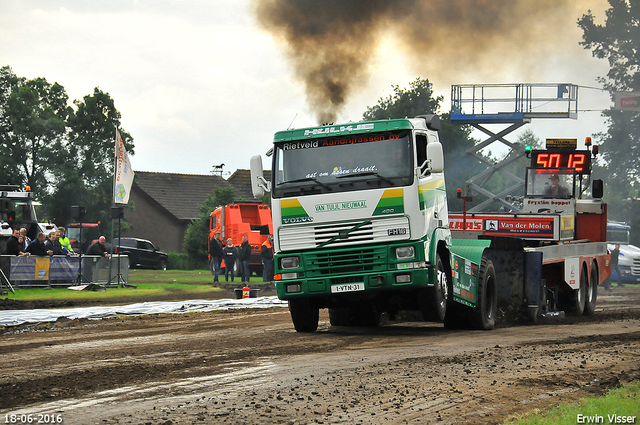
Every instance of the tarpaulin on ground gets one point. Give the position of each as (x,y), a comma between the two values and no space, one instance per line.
(33,317)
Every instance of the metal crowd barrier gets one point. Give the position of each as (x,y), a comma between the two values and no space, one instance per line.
(33,271)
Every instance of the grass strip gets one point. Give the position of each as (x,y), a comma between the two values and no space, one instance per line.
(620,405)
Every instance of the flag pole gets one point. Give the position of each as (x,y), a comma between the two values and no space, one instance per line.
(113,194)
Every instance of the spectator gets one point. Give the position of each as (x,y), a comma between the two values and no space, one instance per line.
(58,249)
(64,240)
(215,251)
(37,247)
(48,241)
(244,255)
(230,255)
(266,252)
(98,248)
(27,239)
(13,244)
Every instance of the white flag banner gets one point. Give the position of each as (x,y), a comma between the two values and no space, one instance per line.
(627,101)
(123,173)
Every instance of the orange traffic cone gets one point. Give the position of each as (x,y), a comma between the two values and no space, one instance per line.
(246,292)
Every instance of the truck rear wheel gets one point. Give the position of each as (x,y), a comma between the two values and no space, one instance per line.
(579,296)
(433,301)
(592,292)
(484,315)
(304,316)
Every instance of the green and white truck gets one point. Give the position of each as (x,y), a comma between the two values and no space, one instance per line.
(361,227)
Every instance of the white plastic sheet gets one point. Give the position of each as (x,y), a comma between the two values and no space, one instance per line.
(33,317)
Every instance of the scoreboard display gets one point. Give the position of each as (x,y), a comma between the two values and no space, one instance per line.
(554,159)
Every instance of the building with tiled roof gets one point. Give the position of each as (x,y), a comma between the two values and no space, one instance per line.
(165,203)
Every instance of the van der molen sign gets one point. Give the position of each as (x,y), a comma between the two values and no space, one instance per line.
(338,206)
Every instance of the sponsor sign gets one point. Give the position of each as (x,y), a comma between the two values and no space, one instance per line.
(537,227)
(627,101)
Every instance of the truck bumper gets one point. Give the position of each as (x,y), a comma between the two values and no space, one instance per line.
(365,284)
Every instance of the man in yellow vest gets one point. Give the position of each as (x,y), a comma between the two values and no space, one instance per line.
(64,241)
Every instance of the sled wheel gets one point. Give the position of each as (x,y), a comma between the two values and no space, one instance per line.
(592,292)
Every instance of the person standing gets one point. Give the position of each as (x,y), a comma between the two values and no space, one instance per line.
(64,240)
(215,252)
(614,264)
(36,247)
(230,256)
(98,248)
(243,256)
(266,252)
(27,239)
(13,246)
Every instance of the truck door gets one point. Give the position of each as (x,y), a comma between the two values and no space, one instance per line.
(147,259)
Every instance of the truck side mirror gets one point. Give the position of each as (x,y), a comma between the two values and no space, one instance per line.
(258,184)
(597,189)
(436,157)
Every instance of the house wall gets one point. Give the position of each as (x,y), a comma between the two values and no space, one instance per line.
(150,221)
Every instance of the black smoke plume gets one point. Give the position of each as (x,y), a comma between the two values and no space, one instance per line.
(331,42)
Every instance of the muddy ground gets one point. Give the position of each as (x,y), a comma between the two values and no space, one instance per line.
(251,367)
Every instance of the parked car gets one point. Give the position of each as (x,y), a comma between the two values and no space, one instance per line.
(141,252)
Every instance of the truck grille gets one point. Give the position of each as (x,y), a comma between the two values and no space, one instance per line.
(339,262)
(635,268)
(310,236)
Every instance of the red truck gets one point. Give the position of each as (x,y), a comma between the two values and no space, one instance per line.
(242,218)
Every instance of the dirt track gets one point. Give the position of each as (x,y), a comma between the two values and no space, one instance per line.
(252,367)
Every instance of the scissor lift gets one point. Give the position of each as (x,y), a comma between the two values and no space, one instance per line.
(514,105)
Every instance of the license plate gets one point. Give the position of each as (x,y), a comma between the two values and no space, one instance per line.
(347,287)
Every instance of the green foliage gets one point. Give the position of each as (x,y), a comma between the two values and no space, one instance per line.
(416,100)
(196,238)
(180,261)
(33,116)
(65,154)
(456,139)
(618,41)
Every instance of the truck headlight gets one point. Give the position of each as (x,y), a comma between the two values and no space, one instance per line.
(405,252)
(288,263)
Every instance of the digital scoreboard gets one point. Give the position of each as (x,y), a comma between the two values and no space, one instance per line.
(554,159)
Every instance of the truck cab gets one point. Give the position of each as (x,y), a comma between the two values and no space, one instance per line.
(629,258)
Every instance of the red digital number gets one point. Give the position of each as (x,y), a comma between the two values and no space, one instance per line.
(576,160)
(543,160)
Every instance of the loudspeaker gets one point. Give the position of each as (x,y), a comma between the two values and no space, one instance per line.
(597,189)
(78,212)
(117,212)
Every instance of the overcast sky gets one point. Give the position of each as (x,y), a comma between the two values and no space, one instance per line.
(200,82)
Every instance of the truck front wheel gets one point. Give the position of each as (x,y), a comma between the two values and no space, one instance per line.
(304,316)
(433,301)
(484,315)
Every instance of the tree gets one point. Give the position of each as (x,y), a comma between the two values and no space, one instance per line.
(33,116)
(618,41)
(196,238)
(66,155)
(456,139)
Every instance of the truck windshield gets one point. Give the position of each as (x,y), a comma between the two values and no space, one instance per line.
(341,164)
(558,183)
